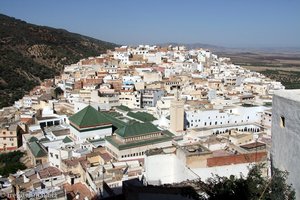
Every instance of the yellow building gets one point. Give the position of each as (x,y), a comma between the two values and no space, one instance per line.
(9,138)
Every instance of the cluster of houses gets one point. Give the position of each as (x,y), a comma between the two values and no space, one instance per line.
(160,114)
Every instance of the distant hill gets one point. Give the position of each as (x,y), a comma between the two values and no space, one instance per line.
(196,46)
(222,49)
(31,53)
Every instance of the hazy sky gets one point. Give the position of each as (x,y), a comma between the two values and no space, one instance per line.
(232,23)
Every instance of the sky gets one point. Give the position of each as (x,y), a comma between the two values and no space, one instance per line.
(229,23)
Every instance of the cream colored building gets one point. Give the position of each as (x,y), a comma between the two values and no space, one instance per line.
(133,140)
(8,138)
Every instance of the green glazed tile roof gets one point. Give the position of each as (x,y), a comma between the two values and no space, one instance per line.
(142,116)
(167,136)
(116,122)
(124,108)
(67,140)
(36,149)
(135,129)
(88,117)
(33,139)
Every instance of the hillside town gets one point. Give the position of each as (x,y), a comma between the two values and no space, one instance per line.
(160,115)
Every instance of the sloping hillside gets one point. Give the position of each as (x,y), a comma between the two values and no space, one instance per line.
(31,53)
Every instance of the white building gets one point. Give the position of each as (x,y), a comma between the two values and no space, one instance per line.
(286,135)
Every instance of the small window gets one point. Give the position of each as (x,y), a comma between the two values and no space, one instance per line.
(282,122)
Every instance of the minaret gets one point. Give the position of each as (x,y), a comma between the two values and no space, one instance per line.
(177,115)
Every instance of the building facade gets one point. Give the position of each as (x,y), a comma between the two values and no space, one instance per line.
(133,140)
(286,135)
(9,138)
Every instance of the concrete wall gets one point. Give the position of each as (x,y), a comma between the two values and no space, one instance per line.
(163,169)
(286,139)
(168,168)
(226,170)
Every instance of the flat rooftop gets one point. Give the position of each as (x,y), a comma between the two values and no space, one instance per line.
(58,130)
(293,95)
(195,149)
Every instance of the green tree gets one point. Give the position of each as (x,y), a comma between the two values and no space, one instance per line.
(254,186)
(58,91)
(10,163)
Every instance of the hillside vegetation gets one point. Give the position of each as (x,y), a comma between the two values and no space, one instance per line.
(31,53)
(283,67)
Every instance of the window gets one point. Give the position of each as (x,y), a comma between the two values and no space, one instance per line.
(56,156)
(51,154)
(282,122)
(4,138)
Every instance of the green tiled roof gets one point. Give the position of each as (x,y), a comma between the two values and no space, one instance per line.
(136,129)
(116,122)
(67,140)
(88,117)
(124,108)
(142,116)
(167,136)
(33,139)
(114,114)
(36,149)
